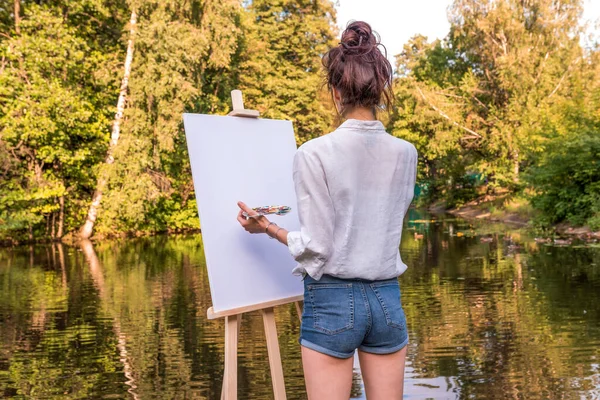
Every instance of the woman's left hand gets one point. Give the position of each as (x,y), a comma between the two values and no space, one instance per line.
(251,225)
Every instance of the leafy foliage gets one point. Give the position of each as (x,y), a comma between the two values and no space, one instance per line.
(567,177)
(179,54)
(281,72)
(483,105)
(53,117)
(61,63)
(507,101)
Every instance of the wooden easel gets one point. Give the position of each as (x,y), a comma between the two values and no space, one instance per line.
(233,318)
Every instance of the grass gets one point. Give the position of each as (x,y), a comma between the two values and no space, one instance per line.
(517,207)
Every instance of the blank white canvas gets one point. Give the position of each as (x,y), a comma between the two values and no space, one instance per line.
(247,159)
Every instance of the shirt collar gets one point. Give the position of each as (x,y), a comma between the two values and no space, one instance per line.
(359,125)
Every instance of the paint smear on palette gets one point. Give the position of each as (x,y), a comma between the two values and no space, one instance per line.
(269,210)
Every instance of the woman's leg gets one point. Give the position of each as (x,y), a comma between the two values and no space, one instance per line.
(383,374)
(327,377)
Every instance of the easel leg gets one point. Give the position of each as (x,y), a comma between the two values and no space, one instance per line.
(274,354)
(298,309)
(232,331)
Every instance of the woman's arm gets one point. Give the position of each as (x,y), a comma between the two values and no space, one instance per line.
(312,245)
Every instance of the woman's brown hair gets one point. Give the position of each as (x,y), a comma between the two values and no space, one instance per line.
(359,70)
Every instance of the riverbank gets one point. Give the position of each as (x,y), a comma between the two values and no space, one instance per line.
(511,210)
(71,238)
(499,209)
(516,211)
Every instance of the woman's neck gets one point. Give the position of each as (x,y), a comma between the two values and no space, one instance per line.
(360,113)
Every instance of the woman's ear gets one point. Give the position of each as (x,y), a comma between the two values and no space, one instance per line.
(337,96)
(337,100)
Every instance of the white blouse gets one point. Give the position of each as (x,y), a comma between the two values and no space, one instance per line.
(354,187)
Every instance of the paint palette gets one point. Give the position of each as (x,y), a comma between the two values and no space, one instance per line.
(268,210)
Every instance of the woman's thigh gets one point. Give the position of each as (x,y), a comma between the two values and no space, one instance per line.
(383,374)
(327,377)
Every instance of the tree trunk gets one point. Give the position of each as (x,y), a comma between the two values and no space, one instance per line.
(515,160)
(17,12)
(53,226)
(61,217)
(88,226)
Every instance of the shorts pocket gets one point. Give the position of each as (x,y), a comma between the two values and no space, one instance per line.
(388,294)
(333,307)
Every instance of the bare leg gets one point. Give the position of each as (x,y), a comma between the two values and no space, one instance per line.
(327,377)
(383,374)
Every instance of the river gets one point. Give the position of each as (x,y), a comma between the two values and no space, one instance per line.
(491,315)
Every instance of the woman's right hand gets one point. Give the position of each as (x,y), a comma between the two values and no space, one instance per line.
(251,224)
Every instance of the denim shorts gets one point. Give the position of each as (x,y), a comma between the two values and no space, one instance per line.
(342,315)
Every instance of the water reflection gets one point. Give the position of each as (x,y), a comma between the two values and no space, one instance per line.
(498,317)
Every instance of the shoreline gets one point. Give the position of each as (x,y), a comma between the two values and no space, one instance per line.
(72,239)
(483,209)
(480,210)
(473,212)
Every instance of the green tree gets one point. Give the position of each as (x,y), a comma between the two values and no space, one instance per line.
(566,175)
(88,227)
(184,52)
(54,87)
(520,52)
(476,102)
(281,72)
(425,114)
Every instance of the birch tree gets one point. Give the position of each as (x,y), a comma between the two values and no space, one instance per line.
(88,226)
(184,62)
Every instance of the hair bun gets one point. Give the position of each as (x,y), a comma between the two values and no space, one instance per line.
(359,70)
(358,38)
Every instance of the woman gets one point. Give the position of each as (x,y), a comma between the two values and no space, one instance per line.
(354,187)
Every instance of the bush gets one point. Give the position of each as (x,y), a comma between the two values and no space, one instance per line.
(461,190)
(566,179)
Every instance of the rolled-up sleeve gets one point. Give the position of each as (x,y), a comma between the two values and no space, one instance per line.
(312,246)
